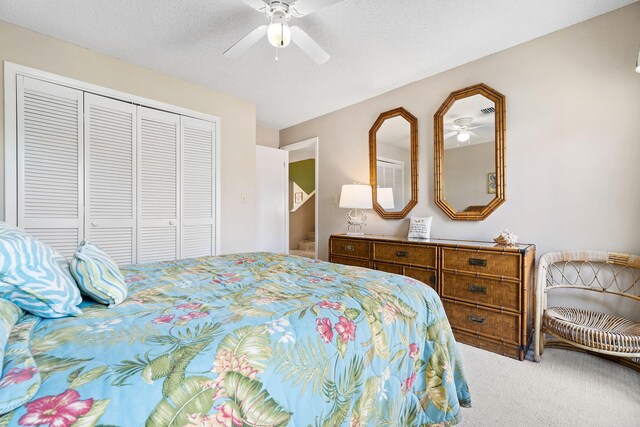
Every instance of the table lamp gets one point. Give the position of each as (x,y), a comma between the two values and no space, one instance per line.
(356,197)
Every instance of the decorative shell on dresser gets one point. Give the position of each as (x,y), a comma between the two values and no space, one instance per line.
(506,238)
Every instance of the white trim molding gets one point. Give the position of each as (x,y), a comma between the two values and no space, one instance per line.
(297,146)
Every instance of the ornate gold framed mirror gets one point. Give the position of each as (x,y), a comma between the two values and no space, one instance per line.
(393,163)
(469,153)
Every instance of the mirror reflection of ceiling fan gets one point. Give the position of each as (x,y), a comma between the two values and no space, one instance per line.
(278,31)
(463,129)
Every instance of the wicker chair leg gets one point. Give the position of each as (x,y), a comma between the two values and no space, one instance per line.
(538,337)
(536,346)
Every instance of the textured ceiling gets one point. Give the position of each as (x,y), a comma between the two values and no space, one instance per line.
(375,45)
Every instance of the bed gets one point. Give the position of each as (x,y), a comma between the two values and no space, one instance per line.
(253,339)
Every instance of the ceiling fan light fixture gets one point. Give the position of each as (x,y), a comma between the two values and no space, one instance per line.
(279,32)
(463,136)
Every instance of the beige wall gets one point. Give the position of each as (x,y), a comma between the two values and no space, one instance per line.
(573,140)
(238,118)
(267,137)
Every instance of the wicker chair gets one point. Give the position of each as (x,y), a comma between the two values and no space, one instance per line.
(599,271)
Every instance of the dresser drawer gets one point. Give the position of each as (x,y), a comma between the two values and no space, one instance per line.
(474,289)
(351,261)
(503,264)
(389,268)
(484,322)
(425,276)
(506,349)
(420,256)
(351,247)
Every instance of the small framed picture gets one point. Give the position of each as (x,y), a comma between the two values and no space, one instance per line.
(491,183)
(298,197)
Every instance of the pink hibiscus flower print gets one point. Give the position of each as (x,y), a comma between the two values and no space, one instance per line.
(329,304)
(62,410)
(245,261)
(323,326)
(189,306)
(413,350)
(232,277)
(228,416)
(163,319)
(17,375)
(346,328)
(194,315)
(408,383)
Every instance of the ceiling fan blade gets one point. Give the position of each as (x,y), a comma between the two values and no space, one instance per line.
(309,46)
(481,126)
(304,7)
(450,134)
(256,4)
(249,40)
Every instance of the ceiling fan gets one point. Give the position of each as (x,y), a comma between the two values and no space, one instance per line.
(463,129)
(278,31)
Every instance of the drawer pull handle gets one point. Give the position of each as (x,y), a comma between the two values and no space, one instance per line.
(478,289)
(349,248)
(478,262)
(476,319)
(433,280)
(402,254)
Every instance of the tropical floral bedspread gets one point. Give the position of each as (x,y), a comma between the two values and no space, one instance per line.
(247,340)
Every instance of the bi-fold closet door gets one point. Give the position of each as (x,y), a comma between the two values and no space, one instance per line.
(138,182)
(158,184)
(50,163)
(110,176)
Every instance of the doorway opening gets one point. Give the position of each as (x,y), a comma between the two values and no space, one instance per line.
(303,198)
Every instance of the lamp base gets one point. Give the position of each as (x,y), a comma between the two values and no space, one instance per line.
(355,221)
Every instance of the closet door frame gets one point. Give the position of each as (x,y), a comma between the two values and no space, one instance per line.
(11,73)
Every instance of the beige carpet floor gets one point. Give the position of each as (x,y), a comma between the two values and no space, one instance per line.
(566,388)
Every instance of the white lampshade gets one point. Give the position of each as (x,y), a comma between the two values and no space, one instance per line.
(356,196)
(279,34)
(385,198)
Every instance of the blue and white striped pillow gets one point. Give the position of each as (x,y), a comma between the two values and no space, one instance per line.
(34,276)
(97,275)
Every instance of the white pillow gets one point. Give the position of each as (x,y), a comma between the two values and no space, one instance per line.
(420,228)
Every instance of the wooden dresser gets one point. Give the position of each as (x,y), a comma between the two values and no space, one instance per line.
(486,289)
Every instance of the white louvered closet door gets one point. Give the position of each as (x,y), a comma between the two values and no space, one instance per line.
(158,185)
(198,188)
(110,176)
(50,167)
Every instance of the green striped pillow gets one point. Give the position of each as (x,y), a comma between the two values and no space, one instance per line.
(97,275)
